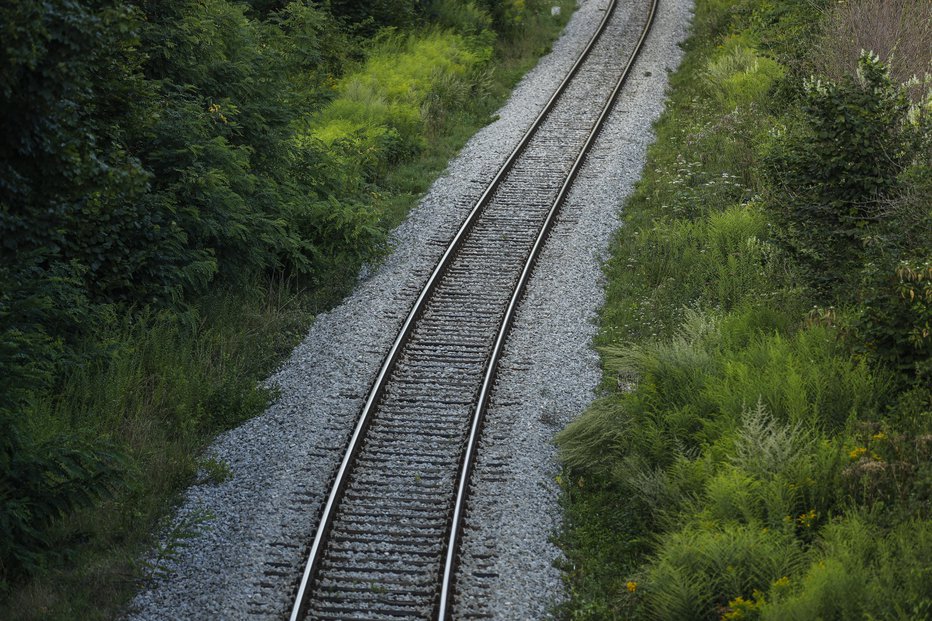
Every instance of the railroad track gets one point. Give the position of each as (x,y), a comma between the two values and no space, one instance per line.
(387,539)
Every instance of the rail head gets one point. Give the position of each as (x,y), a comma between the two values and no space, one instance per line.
(378,385)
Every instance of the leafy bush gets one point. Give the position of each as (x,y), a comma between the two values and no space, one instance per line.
(379,116)
(893,321)
(166,125)
(835,169)
(507,15)
(369,15)
(70,87)
(896,321)
(738,75)
(464,17)
(860,571)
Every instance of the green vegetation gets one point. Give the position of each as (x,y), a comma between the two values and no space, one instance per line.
(763,444)
(183,185)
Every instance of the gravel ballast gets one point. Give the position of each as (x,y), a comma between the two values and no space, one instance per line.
(244,560)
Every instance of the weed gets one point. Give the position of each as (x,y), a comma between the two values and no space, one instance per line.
(214,471)
(899,31)
(173,541)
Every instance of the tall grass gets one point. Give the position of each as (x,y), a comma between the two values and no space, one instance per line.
(169,383)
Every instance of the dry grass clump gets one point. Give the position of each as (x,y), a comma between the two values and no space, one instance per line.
(900,31)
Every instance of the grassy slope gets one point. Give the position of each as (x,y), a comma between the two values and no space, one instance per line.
(172,372)
(743,463)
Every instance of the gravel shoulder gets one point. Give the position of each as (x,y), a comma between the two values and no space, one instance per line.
(244,559)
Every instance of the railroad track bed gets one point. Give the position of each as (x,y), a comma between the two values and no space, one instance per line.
(324,387)
(393,516)
(549,372)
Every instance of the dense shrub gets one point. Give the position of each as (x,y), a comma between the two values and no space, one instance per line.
(72,190)
(693,391)
(835,169)
(145,151)
(380,113)
(895,321)
(894,324)
(700,570)
(507,15)
(859,571)
(369,15)
(740,76)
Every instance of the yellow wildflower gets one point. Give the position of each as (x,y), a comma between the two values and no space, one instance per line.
(878,436)
(806,519)
(632,586)
(740,608)
(857,452)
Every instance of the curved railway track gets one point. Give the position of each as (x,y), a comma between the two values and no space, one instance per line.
(386,543)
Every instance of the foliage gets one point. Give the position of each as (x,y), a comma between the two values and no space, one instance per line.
(380,113)
(739,75)
(69,74)
(693,391)
(892,294)
(371,14)
(701,573)
(507,15)
(834,171)
(860,571)
(181,165)
(896,321)
(757,453)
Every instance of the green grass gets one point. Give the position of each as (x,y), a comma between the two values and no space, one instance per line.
(170,382)
(514,56)
(747,447)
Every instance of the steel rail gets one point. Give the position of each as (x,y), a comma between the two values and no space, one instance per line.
(444,609)
(379,384)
